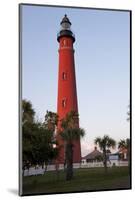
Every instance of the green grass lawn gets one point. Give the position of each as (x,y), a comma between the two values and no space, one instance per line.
(84,180)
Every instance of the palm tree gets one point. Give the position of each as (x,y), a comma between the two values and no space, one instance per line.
(105,143)
(70,133)
(125,144)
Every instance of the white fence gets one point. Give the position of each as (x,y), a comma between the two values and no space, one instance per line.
(123,163)
(91,165)
(39,170)
(109,164)
(33,171)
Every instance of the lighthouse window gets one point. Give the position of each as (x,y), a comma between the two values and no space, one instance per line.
(64,103)
(64,75)
(64,42)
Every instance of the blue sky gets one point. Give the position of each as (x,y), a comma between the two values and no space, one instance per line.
(102,58)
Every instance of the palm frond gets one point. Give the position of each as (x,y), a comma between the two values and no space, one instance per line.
(104,142)
(71,134)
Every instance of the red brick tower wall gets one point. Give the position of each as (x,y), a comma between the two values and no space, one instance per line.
(67,93)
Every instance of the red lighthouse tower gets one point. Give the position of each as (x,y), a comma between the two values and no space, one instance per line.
(67,94)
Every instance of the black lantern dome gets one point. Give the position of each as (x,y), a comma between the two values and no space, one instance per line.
(65,20)
(65,29)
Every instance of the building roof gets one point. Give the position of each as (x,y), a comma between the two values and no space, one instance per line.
(93,154)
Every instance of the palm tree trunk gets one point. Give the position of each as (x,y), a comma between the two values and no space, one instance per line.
(105,160)
(45,167)
(69,161)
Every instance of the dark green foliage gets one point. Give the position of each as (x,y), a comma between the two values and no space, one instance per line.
(28,112)
(51,120)
(38,139)
(72,134)
(38,145)
(105,144)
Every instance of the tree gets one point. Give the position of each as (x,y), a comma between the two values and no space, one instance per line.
(38,138)
(51,120)
(105,143)
(28,127)
(50,123)
(125,144)
(27,144)
(43,150)
(70,133)
(28,112)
